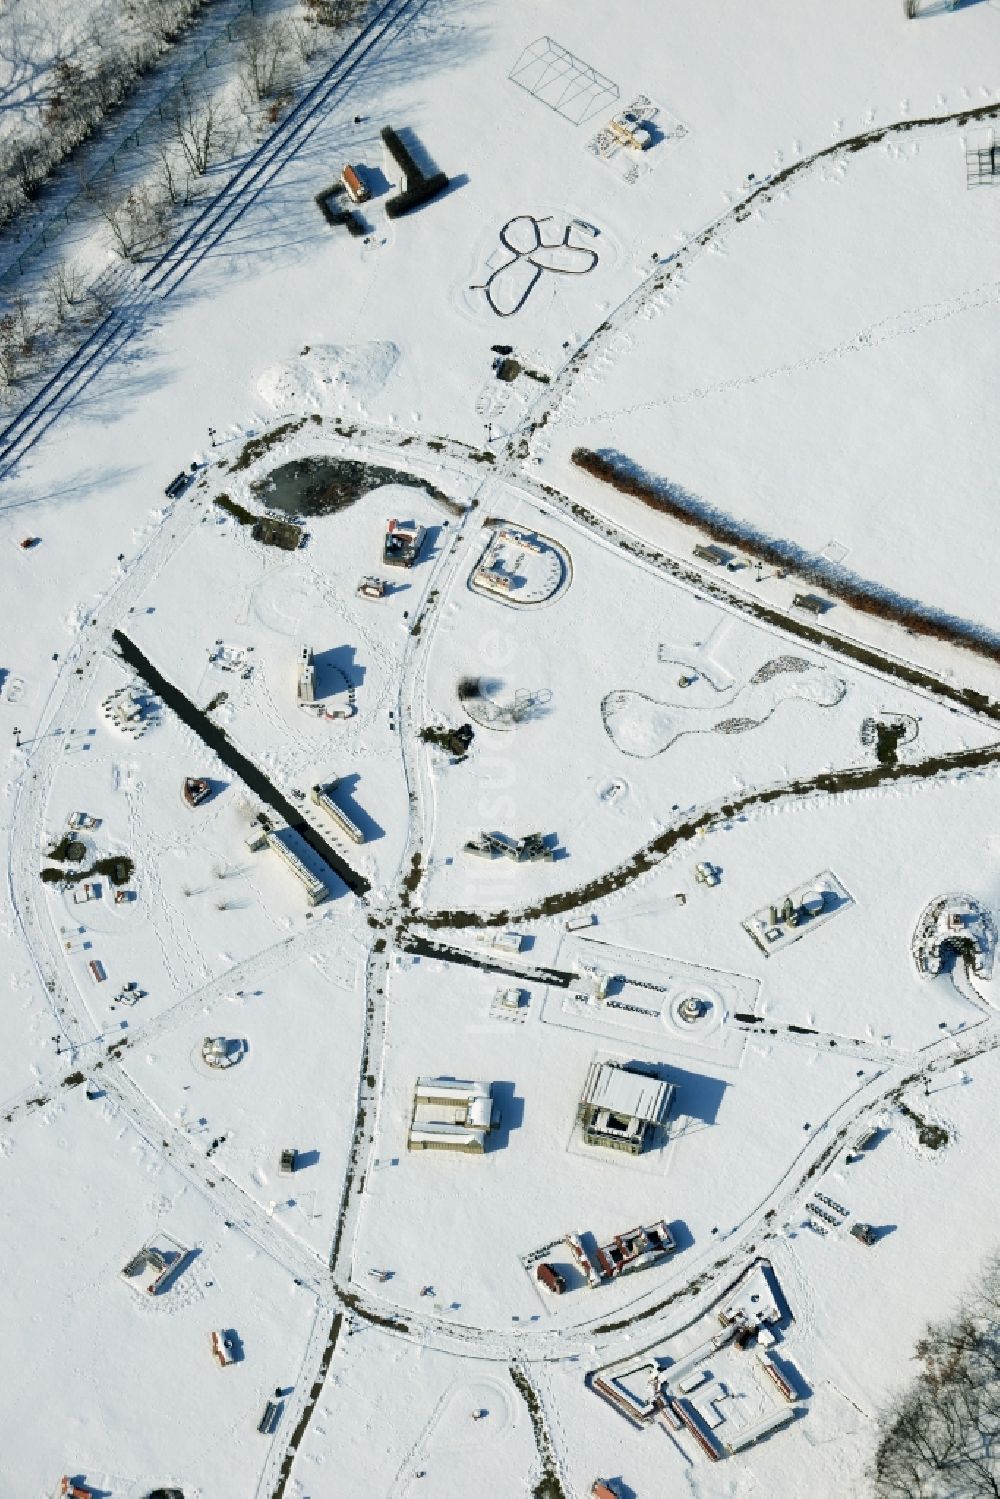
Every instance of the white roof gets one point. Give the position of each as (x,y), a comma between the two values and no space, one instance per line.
(460,1133)
(632,1094)
(450,1087)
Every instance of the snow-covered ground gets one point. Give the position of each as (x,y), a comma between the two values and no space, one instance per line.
(810,357)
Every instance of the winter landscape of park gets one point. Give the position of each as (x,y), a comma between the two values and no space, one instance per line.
(499,749)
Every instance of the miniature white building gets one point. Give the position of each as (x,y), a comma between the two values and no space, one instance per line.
(322,797)
(306,689)
(450,1114)
(279,840)
(283,841)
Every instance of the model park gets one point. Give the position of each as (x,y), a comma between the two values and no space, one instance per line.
(500,736)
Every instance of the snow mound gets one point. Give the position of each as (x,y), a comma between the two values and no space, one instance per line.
(312,377)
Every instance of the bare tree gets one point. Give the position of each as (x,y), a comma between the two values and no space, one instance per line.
(334,13)
(172,180)
(118,220)
(199,127)
(10,354)
(27,324)
(137,222)
(302,38)
(941,1438)
(263,50)
(65,288)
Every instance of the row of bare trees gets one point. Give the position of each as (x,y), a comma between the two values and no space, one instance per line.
(941,1437)
(204,128)
(83,87)
(200,129)
(31,328)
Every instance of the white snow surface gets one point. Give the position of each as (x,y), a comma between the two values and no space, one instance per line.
(813,360)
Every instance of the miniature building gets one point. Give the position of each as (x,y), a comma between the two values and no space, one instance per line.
(224,1348)
(506,941)
(711,553)
(629,130)
(356,189)
(129,709)
(549,1277)
(450,1114)
(321,796)
(371,587)
(621,1108)
(220,1052)
(269,1420)
(812,603)
(502,845)
(777,1375)
(401,548)
(804,909)
(156,1265)
(306,688)
(757,1430)
(637,1249)
(493,578)
(316,890)
(82,820)
(592,983)
(196,790)
(955,925)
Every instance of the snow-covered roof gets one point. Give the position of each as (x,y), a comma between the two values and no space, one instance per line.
(622,1091)
(459,1133)
(450,1087)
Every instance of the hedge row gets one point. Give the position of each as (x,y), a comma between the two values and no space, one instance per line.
(426,188)
(868,598)
(402,156)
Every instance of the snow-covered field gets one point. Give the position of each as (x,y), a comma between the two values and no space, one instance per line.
(783,309)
